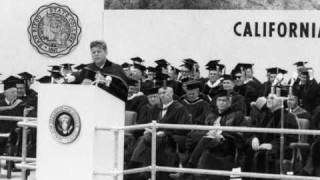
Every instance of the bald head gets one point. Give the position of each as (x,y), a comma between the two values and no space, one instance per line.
(166,94)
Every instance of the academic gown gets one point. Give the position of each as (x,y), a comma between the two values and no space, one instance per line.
(9,126)
(220,155)
(309,94)
(176,113)
(268,119)
(250,91)
(197,109)
(118,86)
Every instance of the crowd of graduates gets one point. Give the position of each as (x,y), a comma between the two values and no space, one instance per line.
(172,95)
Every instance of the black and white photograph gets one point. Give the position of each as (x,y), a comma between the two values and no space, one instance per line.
(160,90)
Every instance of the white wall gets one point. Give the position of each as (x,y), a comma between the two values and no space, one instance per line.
(205,35)
(154,34)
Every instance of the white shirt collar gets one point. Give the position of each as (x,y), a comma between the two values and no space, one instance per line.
(167,105)
(7,101)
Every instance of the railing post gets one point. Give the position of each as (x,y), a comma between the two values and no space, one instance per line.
(24,150)
(153,150)
(116,148)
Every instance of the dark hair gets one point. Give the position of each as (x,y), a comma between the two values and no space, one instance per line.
(100,44)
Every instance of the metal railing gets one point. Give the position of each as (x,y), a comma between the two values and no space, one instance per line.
(26,123)
(153,168)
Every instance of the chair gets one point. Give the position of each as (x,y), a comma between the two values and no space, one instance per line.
(300,146)
(130,118)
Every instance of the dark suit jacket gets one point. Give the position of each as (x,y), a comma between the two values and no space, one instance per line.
(118,86)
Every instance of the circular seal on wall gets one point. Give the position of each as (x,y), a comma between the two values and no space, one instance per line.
(54,30)
(64,124)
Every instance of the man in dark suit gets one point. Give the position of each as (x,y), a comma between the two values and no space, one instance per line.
(108,75)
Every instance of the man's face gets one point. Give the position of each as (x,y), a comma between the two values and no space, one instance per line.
(223,103)
(153,99)
(249,73)
(11,94)
(273,101)
(151,75)
(127,72)
(213,75)
(292,102)
(272,77)
(185,72)
(21,90)
(192,94)
(166,95)
(66,72)
(238,79)
(303,78)
(136,74)
(98,55)
(228,85)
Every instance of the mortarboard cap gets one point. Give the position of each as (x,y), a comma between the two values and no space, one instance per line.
(11,82)
(228,77)
(213,62)
(26,75)
(125,65)
(243,66)
(193,85)
(300,63)
(137,60)
(67,66)
(161,63)
(151,69)
(222,92)
(189,61)
(236,71)
(142,68)
(151,91)
(276,70)
(44,79)
(55,68)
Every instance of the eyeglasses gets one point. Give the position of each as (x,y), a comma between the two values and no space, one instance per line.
(238,77)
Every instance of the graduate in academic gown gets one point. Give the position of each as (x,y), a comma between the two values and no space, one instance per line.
(196,106)
(271,76)
(308,90)
(250,89)
(213,84)
(217,149)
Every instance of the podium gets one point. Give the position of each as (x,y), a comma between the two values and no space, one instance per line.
(69,147)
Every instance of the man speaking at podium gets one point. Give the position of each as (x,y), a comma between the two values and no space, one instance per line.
(106,74)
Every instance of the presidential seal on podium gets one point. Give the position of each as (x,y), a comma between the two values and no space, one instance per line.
(54,30)
(64,124)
